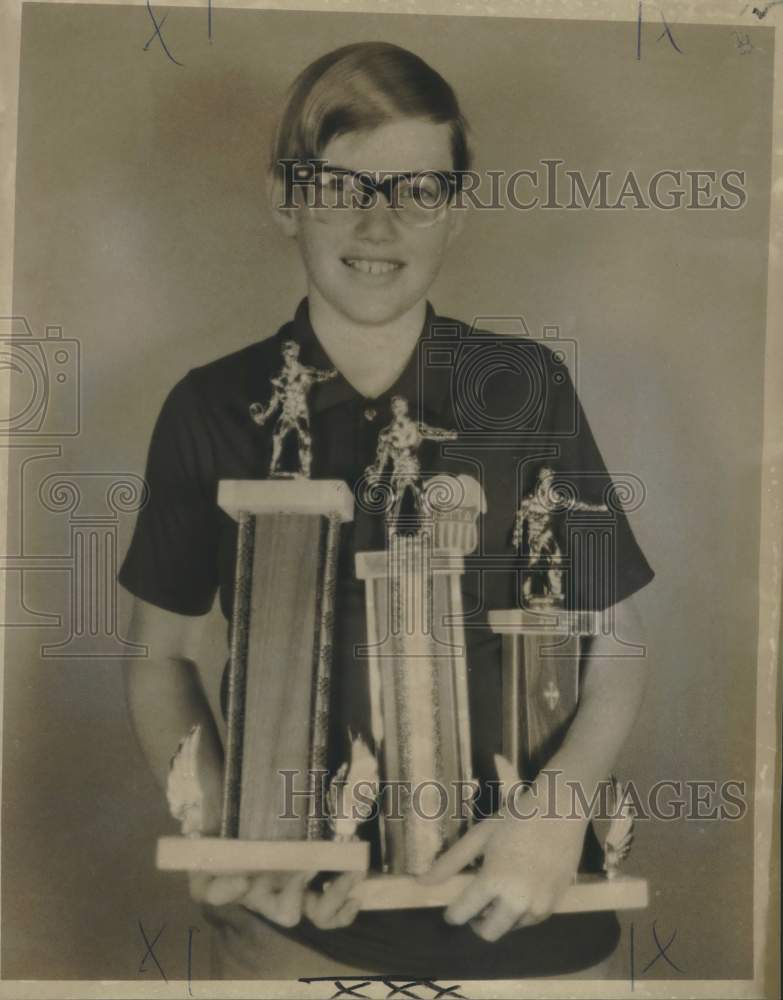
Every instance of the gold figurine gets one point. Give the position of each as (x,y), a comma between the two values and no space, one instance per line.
(290,388)
(398,444)
(544,553)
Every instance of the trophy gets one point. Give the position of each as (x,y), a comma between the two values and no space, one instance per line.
(418,685)
(288,529)
(543,644)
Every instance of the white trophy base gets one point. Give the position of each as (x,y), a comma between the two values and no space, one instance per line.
(224,855)
(588,893)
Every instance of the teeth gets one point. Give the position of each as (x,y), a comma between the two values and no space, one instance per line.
(372,266)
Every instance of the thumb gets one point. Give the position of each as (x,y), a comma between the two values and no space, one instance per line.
(466,849)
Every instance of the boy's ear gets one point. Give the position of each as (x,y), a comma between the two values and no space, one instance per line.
(456,222)
(285,215)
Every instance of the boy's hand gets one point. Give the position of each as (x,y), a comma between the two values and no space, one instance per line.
(332,907)
(278,896)
(282,897)
(528,864)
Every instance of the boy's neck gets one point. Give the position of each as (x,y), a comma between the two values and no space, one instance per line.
(371,358)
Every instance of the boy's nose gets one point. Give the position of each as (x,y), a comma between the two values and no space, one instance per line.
(376,223)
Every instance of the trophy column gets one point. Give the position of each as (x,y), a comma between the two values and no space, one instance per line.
(541,656)
(419,699)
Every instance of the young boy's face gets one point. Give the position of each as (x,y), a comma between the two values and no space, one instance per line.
(407,259)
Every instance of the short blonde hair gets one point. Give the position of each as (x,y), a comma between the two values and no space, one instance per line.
(357,88)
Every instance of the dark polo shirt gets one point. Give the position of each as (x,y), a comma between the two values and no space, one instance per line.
(513,404)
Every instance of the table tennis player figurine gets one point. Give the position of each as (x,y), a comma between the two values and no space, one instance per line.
(290,388)
(398,444)
(534,516)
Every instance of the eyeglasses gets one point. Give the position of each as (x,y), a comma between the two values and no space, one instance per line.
(335,194)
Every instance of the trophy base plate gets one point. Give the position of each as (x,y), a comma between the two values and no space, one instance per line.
(588,893)
(224,855)
(545,601)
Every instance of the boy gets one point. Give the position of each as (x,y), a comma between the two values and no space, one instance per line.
(370,254)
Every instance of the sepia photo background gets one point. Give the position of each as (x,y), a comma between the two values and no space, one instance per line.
(142,231)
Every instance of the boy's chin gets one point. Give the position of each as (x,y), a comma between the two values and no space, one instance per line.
(367,311)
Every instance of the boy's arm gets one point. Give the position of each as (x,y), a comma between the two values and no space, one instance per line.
(530,862)
(166,700)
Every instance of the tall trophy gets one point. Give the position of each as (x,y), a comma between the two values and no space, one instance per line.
(288,529)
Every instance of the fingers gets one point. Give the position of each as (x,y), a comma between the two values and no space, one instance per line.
(279,902)
(344,916)
(535,914)
(291,898)
(278,897)
(503,916)
(198,885)
(491,914)
(470,902)
(347,913)
(261,896)
(221,889)
(466,849)
(499,919)
(333,908)
(275,895)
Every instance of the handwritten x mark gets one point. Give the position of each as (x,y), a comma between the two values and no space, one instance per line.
(150,950)
(157,34)
(404,990)
(662,949)
(349,991)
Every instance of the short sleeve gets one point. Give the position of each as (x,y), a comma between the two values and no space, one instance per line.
(172,559)
(602,561)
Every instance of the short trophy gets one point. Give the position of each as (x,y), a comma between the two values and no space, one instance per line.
(279,668)
(543,644)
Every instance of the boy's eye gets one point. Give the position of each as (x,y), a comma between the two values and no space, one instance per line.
(418,199)
(420,192)
(331,189)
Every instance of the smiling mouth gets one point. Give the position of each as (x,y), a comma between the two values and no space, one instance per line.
(372,266)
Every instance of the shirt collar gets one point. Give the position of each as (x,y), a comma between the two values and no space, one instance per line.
(424,387)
